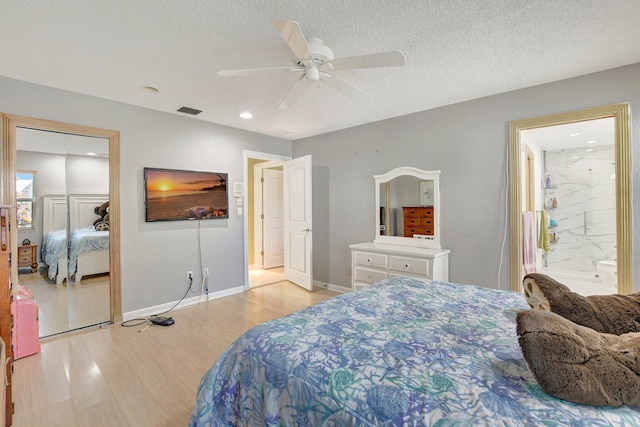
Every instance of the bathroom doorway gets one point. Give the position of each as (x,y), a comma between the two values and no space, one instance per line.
(579,228)
(570,169)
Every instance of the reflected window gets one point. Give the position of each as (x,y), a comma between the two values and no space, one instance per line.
(25,183)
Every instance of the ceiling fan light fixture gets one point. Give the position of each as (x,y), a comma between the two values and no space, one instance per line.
(312,73)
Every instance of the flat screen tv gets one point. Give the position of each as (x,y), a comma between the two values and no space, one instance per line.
(176,195)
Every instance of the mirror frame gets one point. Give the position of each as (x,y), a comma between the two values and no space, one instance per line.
(408,241)
(9,162)
(620,112)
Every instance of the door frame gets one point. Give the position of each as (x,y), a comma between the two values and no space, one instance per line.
(623,186)
(246,155)
(258,193)
(9,168)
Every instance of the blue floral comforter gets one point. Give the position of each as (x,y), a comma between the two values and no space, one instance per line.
(54,246)
(83,240)
(403,352)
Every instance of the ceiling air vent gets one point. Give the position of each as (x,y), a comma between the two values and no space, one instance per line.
(188,110)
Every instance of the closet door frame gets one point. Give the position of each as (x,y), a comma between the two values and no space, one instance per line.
(9,168)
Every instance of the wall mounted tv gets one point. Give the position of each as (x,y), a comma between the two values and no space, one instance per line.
(176,195)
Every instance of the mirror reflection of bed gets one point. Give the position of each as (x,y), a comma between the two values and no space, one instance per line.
(72,283)
(80,266)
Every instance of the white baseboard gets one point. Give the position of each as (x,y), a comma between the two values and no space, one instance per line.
(329,286)
(150,311)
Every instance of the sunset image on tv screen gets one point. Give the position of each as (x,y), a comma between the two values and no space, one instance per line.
(179,195)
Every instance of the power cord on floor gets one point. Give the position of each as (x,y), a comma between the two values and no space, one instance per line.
(156,319)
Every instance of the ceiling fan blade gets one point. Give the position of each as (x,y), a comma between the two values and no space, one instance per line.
(291,32)
(294,93)
(345,88)
(394,58)
(250,71)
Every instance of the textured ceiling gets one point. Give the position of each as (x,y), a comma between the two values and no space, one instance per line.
(456,50)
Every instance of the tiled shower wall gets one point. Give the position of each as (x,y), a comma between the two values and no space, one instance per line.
(583,185)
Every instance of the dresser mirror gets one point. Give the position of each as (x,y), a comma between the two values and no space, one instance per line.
(407,208)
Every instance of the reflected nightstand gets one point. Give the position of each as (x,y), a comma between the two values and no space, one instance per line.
(28,257)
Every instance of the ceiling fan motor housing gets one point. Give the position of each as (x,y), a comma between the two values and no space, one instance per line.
(320,51)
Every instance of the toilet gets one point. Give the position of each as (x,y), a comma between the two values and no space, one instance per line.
(607,270)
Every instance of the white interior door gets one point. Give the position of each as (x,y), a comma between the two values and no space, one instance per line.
(273,220)
(297,222)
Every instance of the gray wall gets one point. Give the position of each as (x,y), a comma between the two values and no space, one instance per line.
(156,256)
(468,143)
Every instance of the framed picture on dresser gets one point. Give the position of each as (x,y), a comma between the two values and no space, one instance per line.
(426,193)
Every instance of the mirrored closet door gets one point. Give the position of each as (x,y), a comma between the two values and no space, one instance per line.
(62,194)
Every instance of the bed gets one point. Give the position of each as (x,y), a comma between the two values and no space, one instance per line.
(87,251)
(403,352)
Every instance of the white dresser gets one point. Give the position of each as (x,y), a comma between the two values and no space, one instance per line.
(373,262)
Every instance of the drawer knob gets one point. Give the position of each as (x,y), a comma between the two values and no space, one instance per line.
(406,266)
(368,259)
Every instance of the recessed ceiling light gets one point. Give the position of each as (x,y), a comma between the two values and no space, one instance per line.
(588,150)
(575,157)
(574,134)
(149,89)
(91,154)
(246,115)
(591,142)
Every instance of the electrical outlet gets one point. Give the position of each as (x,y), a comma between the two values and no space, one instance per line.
(205,272)
(189,275)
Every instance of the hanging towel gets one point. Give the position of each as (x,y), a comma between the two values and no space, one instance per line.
(543,241)
(529,242)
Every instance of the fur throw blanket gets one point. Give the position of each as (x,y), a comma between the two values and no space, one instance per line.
(576,363)
(611,314)
(581,349)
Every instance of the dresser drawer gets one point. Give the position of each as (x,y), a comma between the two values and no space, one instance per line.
(412,222)
(371,259)
(421,267)
(25,251)
(415,212)
(424,231)
(410,231)
(426,222)
(368,275)
(25,259)
(360,285)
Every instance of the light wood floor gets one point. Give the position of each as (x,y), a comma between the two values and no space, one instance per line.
(70,305)
(260,277)
(117,376)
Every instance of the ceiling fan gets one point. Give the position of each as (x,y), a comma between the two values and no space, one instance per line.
(314,61)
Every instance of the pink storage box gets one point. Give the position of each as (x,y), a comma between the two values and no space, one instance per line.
(24,292)
(26,327)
